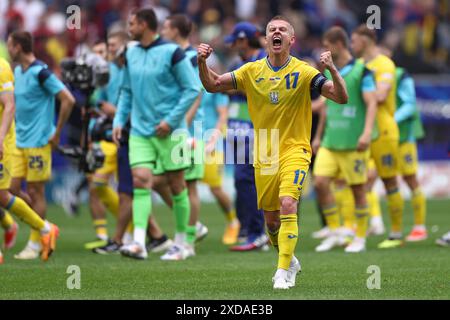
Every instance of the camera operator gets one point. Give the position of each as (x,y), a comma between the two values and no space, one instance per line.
(101,194)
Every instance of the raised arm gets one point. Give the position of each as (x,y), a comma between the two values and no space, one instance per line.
(211,81)
(336,89)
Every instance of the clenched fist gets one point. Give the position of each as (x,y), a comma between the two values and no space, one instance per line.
(326,60)
(204,51)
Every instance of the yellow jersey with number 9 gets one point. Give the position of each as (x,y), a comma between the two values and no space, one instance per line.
(279,98)
(384,71)
(7,85)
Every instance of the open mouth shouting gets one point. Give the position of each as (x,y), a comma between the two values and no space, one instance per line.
(276,41)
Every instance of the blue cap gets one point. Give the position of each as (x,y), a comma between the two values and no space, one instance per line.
(242,30)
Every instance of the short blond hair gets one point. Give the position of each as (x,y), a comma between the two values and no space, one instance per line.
(282,18)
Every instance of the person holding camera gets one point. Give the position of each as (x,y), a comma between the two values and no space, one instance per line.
(101,194)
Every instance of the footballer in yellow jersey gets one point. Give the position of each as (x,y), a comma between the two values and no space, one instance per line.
(278,90)
(48,232)
(384,150)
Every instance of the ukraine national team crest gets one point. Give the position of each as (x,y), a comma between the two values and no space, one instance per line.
(274,97)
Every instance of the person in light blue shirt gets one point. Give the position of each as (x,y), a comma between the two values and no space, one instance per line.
(36,88)
(177,28)
(158,89)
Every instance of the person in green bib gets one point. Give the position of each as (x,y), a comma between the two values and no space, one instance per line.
(344,148)
(410,126)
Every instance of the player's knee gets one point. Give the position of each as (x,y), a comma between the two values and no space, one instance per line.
(273,225)
(192,188)
(36,190)
(320,183)
(288,205)
(141,180)
(176,182)
(411,181)
(177,187)
(359,193)
(159,181)
(390,183)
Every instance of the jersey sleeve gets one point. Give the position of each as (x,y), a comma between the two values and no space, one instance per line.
(385,72)
(184,74)
(6,79)
(50,82)
(368,81)
(124,103)
(240,77)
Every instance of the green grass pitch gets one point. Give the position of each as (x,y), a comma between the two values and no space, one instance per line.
(416,271)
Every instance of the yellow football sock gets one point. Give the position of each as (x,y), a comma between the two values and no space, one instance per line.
(20,208)
(287,239)
(100,229)
(130,227)
(35,236)
(346,205)
(6,221)
(419,207)
(362,219)
(273,236)
(230,215)
(109,198)
(395,205)
(331,217)
(374,204)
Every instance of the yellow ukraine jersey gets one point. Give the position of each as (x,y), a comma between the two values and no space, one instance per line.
(7,85)
(384,71)
(278,99)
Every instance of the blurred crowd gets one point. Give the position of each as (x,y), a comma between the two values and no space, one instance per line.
(418,31)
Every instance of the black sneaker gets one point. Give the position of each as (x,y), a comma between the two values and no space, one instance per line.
(159,245)
(110,247)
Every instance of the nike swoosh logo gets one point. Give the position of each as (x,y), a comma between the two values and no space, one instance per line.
(292,236)
(259,80)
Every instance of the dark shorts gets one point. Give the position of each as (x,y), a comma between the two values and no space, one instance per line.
(125,176)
